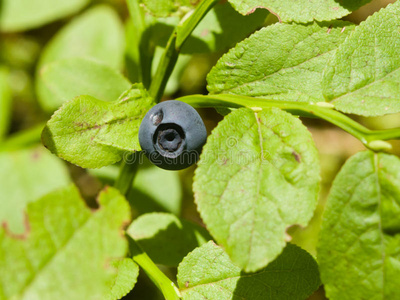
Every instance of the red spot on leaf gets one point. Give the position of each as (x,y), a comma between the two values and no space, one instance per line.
(22,236)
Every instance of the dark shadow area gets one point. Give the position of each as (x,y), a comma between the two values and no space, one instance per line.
(233,34)
(292,275)
(144,289)
(142,203)
(48,141)
(170,245)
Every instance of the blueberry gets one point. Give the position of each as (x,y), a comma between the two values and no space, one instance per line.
(172,134)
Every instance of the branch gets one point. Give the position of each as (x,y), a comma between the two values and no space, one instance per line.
(372,139)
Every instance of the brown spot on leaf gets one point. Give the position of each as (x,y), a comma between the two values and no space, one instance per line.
(22,236)
(187,284)
(296,156)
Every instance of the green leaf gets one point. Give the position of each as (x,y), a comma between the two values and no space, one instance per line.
(258,174)
(166,238)
(18,15)
(364,75)
(97,35)
(25,176)
(301,10)
(67,250)
(126,278)
(5,102)
(208,273)
(66,79)
(165,8)
(281,62)
(359,242)
(92,133)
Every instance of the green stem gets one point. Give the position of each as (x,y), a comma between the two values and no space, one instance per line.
(127,173)
(365,135)
(124,183)
(167,287)
(189,24)
(165,68)
(156,90)
(175,42)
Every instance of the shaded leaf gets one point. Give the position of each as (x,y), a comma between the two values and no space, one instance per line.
(18,15)
(222,28)
(64,80)
(302,10)
(281,62)
(92,133)
(25,176)
(67,251)
(364,75)
(258,174)
(359,242)
(208,273)
(166,238)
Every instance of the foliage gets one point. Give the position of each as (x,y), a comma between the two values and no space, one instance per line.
(77,77)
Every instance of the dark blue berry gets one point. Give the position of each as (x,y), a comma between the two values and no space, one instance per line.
(172,134)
